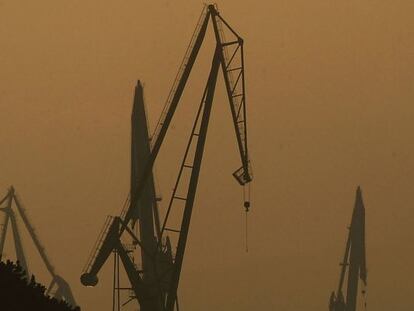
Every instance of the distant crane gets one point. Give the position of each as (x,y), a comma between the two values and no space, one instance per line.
(146,210)
(354,260)
(58,287)
(155,285)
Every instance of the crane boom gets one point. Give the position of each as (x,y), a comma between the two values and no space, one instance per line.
(171,105)
(235,87)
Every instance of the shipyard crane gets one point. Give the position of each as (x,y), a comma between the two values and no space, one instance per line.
(155,287)
(354,261)
(58,287)
(146,211)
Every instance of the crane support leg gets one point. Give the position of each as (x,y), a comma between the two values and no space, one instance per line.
(18,244)
(185,224)
(3,234)
(9,198)
(145,298)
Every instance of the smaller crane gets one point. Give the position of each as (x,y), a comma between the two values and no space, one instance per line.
(354,260)
(58,286)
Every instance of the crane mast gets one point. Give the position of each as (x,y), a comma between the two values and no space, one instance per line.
(146,206)
(158,292)
(354,261)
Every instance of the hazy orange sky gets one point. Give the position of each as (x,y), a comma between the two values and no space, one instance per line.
(330,100)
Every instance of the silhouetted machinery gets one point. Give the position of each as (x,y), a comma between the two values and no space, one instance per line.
(58,287)
(155,283)
(354,260)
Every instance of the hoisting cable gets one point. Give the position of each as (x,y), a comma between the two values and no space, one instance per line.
(246,199)
(246,227)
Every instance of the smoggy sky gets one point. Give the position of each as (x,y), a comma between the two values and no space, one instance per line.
(330,100)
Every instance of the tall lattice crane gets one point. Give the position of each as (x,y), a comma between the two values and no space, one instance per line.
(155,287)
(354,260)
(58,287)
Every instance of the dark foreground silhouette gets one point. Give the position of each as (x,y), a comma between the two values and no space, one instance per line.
(17,294)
